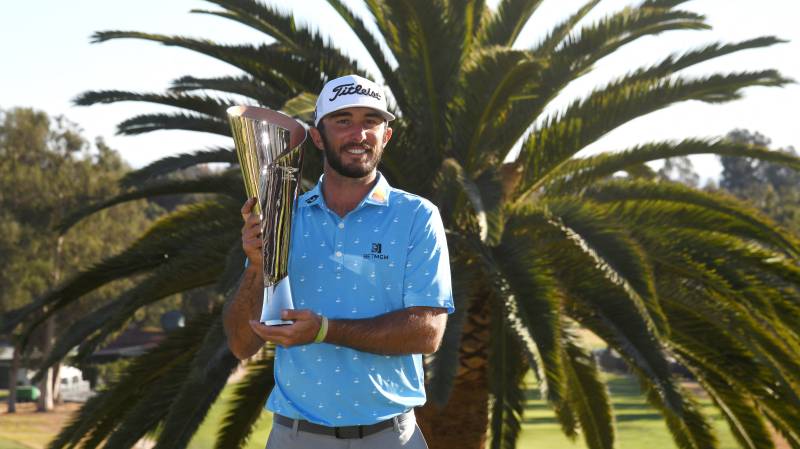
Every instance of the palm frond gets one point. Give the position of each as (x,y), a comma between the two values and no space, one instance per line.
(443,365)
(296,39)
(145,123)
(166,238)
(744,420)
(197,266)
(525,285)
(579,52)
(234,268)
(675,63)
(227,183)
(615,253)
(507,22)
(408,164)
(202,104)
(246,404)
(244,85)
(688,426)
(429,52)
(577,173)
(167,362)
(452,170)
(721,365)
(755,293)
(606,309)
(563,135)
(301,106)
(171,164)
(728,213)
(211,366)
(505,384)
(482,110)
(587,394)
(271,63)
(563,29)
(373,46)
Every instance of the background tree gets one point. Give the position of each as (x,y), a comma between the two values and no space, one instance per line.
(46,169)
(542,244)
(772,188)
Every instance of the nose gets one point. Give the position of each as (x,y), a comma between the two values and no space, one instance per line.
(358,132)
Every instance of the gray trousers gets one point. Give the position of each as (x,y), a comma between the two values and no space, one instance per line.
(405,434)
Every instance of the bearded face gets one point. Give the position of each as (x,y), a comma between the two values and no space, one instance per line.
(352,159)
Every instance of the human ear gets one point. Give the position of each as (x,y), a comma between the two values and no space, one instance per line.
(387,135)
(316,137)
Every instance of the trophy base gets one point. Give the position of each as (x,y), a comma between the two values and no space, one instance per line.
(277,298)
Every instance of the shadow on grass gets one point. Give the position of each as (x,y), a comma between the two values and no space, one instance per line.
(618,406)
(654,416)
(627,403)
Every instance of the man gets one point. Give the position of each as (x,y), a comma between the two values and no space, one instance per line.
(370,279)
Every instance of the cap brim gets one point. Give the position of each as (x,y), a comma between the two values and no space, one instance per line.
(386,115)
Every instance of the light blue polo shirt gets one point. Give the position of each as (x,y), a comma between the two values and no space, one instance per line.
(388,253)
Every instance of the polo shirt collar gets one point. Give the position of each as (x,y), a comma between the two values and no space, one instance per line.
(313,196)
(378,195)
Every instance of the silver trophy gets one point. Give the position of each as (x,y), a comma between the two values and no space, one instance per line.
(268,147)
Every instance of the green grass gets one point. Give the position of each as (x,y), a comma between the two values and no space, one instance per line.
(206,435)
(638,425)
(9,444)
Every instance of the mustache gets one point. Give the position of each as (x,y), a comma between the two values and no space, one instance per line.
(348,146)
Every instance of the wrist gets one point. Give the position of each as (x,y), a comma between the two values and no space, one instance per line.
(253,267)
(323,330)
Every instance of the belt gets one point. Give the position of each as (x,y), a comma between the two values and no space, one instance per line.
(343,432)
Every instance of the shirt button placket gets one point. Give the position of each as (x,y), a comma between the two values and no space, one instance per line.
(339,245)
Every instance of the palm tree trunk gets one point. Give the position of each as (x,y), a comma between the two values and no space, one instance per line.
(463,421)
(12,380)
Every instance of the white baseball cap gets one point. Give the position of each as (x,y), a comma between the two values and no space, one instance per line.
(351,91)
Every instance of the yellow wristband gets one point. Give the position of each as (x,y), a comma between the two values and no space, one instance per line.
(323,331)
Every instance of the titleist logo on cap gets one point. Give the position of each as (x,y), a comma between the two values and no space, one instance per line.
(353,89)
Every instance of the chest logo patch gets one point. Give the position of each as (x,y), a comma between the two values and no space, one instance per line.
(376,253)
(311,199)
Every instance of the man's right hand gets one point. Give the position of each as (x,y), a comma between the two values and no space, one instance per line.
(251,234)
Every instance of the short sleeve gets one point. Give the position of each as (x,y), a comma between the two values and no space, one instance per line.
(426,280)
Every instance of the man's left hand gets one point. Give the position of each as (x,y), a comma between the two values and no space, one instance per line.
(302,331)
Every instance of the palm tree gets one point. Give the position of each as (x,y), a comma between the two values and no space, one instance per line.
(540,245)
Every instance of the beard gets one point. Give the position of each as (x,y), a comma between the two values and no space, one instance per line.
(353,170)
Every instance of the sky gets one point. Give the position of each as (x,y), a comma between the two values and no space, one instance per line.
(48,60)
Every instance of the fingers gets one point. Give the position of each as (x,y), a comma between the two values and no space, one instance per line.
(251,233)
(274,334)
(295,314)
(302,331)
(252,226)
(247,208)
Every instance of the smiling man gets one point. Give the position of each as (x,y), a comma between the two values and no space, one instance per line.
(370,276)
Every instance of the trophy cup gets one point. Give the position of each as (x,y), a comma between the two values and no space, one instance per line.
(268,147)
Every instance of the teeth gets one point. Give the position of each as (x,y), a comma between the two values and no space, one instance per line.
(356,151)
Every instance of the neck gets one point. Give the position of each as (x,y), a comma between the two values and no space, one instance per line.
(342,194)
